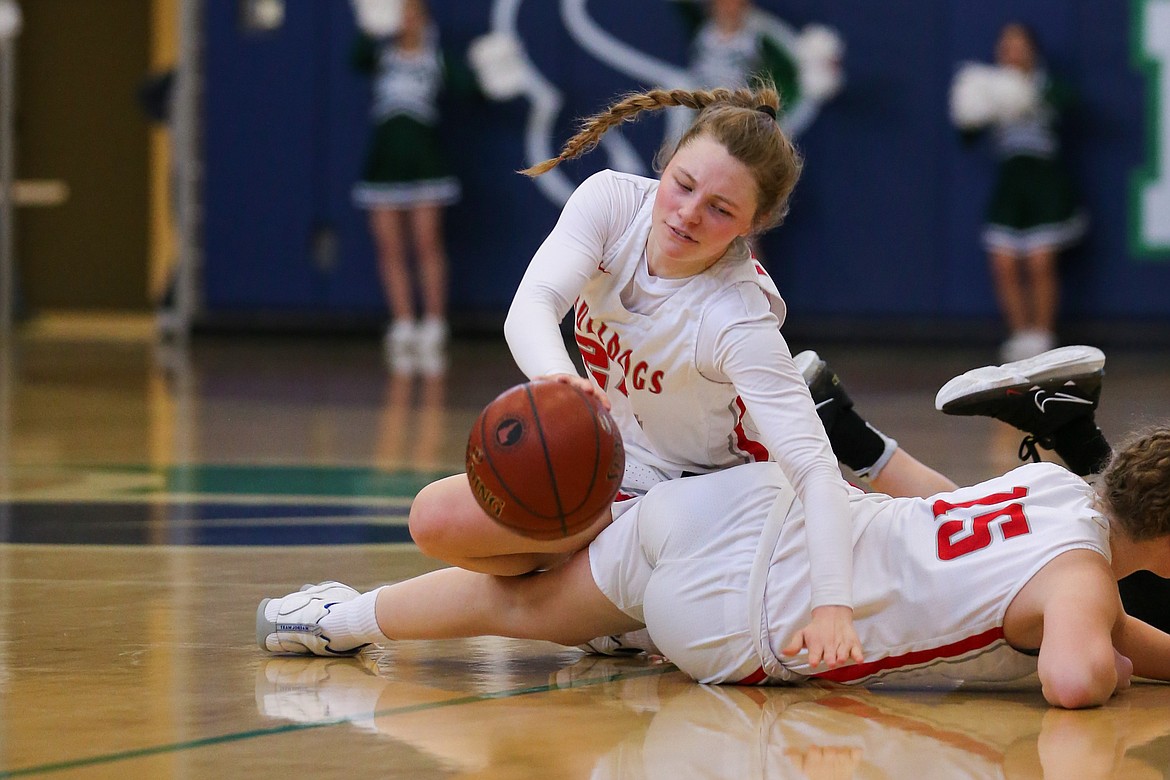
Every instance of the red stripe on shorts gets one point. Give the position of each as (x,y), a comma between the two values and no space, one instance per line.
(755,678)
(916,658)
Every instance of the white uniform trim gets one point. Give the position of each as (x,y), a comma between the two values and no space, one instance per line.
(441,192)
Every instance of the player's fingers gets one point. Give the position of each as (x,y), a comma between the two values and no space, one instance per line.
(582,384)
(794,645)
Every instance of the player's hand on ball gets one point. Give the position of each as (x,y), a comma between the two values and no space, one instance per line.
(829,638)
(584,385)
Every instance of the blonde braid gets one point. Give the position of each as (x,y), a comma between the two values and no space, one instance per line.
(627,109)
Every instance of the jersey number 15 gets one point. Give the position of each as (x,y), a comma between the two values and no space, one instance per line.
(966,527)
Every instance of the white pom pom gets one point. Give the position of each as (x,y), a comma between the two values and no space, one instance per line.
(10,19)
(971,104)
(1014,94)
(817,42)
(378,18)
(984,94)
(819,50)
(499,64)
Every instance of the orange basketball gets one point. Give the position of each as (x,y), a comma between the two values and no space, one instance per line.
(545,459)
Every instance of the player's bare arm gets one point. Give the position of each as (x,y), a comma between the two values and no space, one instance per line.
(1074,602)
(1145,646)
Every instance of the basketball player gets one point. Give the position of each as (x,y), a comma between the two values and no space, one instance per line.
(678,329)
(1005,581)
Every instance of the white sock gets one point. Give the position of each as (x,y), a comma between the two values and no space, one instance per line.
(353,623)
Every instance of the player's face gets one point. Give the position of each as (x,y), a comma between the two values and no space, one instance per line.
(706,200)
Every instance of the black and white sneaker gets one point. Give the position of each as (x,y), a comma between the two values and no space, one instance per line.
(824,385)
(1038,395)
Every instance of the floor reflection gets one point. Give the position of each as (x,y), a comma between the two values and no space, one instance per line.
(608,718)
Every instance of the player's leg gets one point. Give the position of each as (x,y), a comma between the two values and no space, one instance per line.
(562,605)
(869,453)
(447,523)
(1052,398)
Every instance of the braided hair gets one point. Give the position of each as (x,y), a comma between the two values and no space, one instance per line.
(742,120)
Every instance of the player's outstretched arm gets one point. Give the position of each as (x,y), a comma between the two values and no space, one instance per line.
(830,638)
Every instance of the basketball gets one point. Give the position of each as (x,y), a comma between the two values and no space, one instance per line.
(545,459)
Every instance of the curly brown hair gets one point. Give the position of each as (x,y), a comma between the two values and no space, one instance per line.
(742,120)
(1135,485)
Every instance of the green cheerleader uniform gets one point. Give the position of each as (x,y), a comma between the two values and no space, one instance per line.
(404,165)
(734,61)
(1033,204)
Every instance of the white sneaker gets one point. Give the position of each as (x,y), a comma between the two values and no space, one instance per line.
(629,643)
(400,336)
(1014,348)
(291,625)
(431,335)
(1026,344)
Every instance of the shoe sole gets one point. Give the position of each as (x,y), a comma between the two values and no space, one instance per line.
(264,626)
(1064,364)
(809,364)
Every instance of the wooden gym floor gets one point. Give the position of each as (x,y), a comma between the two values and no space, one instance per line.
(150,496)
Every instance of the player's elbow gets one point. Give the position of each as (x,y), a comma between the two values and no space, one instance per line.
(514,324)
(1087,684)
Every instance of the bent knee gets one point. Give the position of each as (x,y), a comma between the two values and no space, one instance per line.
(432,523)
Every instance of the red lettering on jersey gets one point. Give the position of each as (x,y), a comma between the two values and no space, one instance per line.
(639,375)
(968,532)
(601,348)
(594,357)
(754,449)
(613,347)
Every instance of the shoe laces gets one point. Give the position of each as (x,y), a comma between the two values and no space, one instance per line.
(1029,448)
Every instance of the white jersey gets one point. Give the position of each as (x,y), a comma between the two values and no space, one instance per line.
(696,370)
(722,581)
(934,577)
